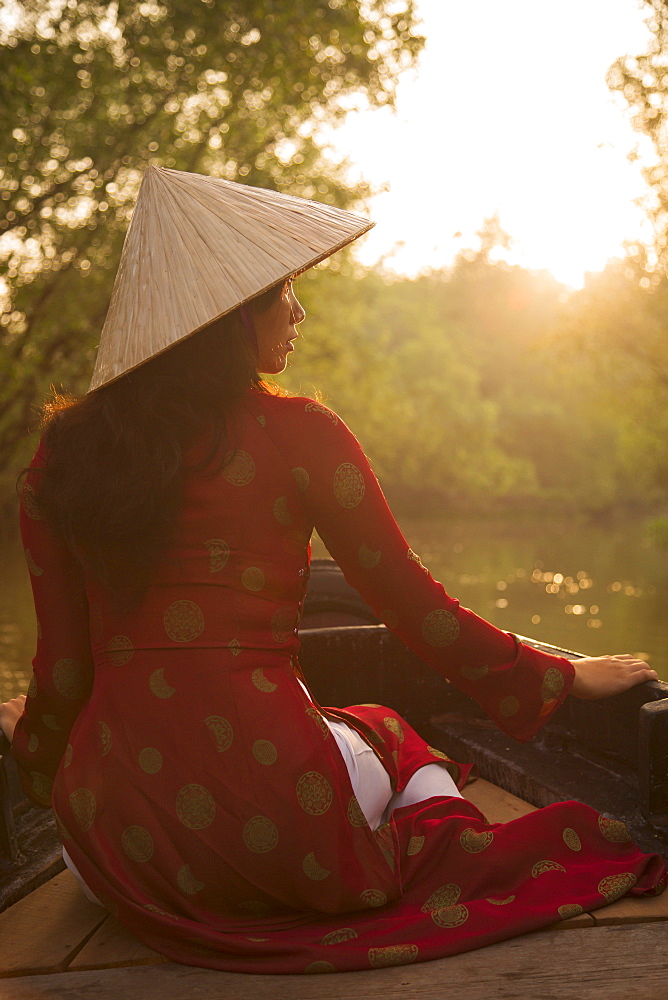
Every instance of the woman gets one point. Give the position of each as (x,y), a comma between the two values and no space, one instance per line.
(202,795)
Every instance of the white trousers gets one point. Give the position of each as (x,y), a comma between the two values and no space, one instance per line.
(371,782)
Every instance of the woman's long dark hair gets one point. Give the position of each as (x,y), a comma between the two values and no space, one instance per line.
(112,485)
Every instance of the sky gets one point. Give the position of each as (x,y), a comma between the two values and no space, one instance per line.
(507,113)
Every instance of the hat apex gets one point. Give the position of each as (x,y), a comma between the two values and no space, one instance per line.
(199,247)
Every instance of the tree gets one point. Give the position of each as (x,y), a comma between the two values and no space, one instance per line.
(643,82)
(93,90)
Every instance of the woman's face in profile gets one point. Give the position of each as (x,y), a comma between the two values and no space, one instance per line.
(275,330)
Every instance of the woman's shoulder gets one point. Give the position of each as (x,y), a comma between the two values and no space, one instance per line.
(295,408)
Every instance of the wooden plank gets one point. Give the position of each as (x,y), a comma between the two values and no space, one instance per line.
(495,803)
(605,963)
(630,910)
(574,923)
(112,945)
(43,931)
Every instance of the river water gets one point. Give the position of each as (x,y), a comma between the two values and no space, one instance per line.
(590,588)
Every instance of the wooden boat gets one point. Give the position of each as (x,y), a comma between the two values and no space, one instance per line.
(612,755)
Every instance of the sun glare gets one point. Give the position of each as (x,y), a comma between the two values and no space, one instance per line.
(509,132)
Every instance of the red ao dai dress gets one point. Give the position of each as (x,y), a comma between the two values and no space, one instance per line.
(201,793)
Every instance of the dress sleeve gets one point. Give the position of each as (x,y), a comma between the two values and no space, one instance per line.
(62,667)
(517,686)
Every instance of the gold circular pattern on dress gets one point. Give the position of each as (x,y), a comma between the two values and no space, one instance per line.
(314,793)
(260,835)
(159,686)
(450,916)
(301,478)
(30,503)
(265,752)
(500,902)
(415,845)
(156,909)
(546,866)
(414,557)
(313,870)
(474,673)
(32,565)
(83,805)
(41,787)
(104,735)
(150,760)
(262,420)
(32,687)
(571,839)
(51,722)
(440,628)
(187,882)
(570,910)
(239,468)
(313,407)
(234,647)
(316,968)
(33,743)
(68,679)
(195,807)
(119,650)
(355,815)
(67,756)
(389,618)
(261,682)
(509,706)
(613,830)
(319,721)
(221,731)
(615,886)
(367,558)
(373,897)
(553,684)
(283,623)
(219,553)
(184,621)
(392,954)
(349,485)
(253,578)
(439,754)
(281,511)
(337,937)
(393,726)
(138,845)
(447,895)
(474,842)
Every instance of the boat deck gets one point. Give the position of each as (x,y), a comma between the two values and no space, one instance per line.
(55,944)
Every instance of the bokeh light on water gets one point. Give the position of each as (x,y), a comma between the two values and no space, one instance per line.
(591,588)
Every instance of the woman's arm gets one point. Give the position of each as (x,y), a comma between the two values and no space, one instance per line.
(62,667)
(10,713)
(519,687)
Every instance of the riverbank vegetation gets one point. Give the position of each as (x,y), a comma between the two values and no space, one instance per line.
(480,387)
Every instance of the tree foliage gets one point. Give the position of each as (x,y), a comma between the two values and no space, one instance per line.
(489,386)
(93,90)
(643,82)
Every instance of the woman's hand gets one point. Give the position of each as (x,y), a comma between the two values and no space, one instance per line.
(10,713)
(602,676)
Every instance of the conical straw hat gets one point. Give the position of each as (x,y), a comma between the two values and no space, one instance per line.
(197,248)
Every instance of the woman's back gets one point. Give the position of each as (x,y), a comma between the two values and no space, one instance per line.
(202,795)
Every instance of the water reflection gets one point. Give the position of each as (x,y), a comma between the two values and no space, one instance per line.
(595,589)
